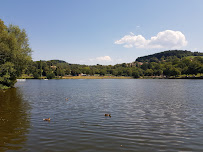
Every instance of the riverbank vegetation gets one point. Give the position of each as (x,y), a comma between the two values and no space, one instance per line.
(170,64)
(15,54)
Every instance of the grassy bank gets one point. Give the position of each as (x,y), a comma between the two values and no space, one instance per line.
(198,76)
(96,77)
(80,77)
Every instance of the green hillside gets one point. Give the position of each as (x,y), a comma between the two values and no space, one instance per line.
(192,57)
(167,54)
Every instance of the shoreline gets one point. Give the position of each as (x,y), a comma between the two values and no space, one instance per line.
(97,77)
(118,77)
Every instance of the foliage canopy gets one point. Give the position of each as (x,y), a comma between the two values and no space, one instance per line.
(15,54)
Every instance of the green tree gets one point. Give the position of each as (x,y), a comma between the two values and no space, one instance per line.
(67,70)
(175,72)
(158,72)
(115,72)
(36,74)
(7,75)
(15,53)
(149,72)
(201,69)
(194,67)
(135,74)
(129,72)
(102,72)
(50,75)
(144,66)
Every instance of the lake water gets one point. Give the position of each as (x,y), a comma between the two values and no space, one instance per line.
(146,116)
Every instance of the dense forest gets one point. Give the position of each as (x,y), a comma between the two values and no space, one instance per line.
(165,64)
(15,60)
(166,54)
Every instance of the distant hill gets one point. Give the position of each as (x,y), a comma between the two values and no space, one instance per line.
(166,54)
(57,61)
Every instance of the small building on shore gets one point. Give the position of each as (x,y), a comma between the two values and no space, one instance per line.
(82,74)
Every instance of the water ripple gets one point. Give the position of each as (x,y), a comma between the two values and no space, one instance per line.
(147,115)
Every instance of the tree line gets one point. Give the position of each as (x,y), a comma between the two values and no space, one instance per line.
(172,66)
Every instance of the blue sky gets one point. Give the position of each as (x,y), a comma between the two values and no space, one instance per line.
(106,31)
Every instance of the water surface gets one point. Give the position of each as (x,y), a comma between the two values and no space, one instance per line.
(147,115)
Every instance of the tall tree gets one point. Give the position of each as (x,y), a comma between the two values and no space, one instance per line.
(15,54)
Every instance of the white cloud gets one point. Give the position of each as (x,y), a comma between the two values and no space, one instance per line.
(103,58)
(165,39)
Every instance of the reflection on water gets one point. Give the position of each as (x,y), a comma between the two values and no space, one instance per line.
(14,120)
(146,115)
